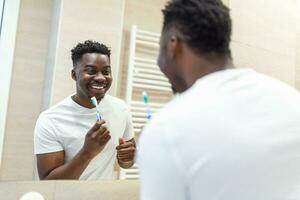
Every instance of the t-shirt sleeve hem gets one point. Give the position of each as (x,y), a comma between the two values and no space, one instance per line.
(44,151)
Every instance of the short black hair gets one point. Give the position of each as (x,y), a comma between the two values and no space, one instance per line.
(205,25)
(88,46)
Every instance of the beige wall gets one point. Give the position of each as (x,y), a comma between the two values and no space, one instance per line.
(99,20)
(264,37)
(146,14)
(26,88)
(226,2)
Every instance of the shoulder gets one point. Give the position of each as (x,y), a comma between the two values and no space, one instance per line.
(62,106)
(57,109)
(48,120)
(195,105)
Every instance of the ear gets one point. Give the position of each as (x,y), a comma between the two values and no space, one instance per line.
(73,75)
(174,46)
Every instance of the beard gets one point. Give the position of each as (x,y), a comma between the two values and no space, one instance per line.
(174,90)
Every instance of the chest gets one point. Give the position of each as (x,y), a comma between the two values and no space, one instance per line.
(72,130)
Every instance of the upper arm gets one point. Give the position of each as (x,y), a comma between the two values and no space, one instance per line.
(48,162)
(49,151)
(46,138)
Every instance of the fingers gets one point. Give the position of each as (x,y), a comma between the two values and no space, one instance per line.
(125,145)
(123,160)
(95,127)
(126,155)
(100,133)
(104,137)
(126,151)
(98,124)
(100,130)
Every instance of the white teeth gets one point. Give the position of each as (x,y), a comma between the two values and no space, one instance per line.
(97,87)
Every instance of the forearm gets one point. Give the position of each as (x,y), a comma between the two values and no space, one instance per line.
(72,169)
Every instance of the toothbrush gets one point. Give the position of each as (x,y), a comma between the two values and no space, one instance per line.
(95,103)
(146,100)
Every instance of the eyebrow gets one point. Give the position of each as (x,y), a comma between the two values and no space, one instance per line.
(107,67)
(86,66)
(93,66)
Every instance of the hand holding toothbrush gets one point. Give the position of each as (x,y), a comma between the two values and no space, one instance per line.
(126,152)
(96,139)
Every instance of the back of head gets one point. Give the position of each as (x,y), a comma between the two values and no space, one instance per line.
(204,25)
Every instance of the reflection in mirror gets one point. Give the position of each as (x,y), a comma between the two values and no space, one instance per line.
(83,135)
(42,64)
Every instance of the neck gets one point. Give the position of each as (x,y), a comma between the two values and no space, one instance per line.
(200,67)
(82,101)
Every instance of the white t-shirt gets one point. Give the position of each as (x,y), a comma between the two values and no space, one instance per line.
(234,135)
(63,128)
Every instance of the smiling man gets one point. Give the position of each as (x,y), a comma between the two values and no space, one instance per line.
(68,141)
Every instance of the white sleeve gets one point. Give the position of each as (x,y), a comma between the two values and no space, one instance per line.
(160,177)
(45,136)
(128,133)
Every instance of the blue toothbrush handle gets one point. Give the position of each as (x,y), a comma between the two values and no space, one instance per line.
(149,114)
(98,117)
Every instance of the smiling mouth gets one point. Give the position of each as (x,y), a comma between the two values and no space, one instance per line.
(98,88)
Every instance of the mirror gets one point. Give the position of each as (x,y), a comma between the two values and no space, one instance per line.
(46,31)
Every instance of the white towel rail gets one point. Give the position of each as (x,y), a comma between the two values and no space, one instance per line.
(144,75)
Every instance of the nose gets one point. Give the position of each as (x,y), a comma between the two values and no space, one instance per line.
(99,77)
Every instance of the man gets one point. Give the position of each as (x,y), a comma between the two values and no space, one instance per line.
(231,134)
(69,142)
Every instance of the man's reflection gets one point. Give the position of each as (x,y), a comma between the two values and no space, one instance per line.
(68,141)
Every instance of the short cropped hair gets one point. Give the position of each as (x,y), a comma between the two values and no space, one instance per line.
(205,25)
(88,46)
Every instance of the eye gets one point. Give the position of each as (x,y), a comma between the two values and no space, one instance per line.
(106,72)
(90,71)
